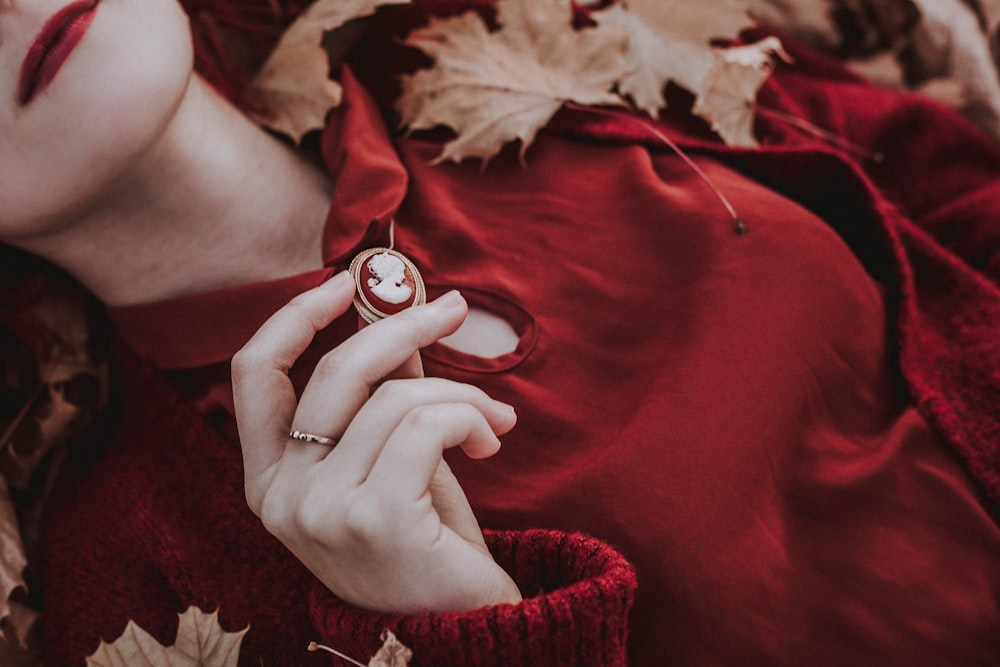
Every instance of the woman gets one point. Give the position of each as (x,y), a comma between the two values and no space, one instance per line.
(723,410)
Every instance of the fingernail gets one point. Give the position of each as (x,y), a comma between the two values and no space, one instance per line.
(340,279)
(508,422)
(450,300)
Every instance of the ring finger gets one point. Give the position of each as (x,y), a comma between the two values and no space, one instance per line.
(343,379)
(364,438)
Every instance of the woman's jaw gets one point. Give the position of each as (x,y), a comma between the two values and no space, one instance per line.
(79,109)
(134,175)
(215,202)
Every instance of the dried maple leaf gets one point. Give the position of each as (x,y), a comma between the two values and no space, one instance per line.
(19,638)
(293,91)
(495,87)
(16,649)
(12,558)
(60,344)
(671,41)
(393,653)
(726,100)
(201,642)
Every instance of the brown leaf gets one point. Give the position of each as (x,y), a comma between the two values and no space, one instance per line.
(64,352)
(293,91)
(670,40)
(393,653)
(882,69)
(19,637)
(726,99)
(58,342)
(200,642)
(950,92)
(808,22)
(16,648)
(495,87)
(12,558)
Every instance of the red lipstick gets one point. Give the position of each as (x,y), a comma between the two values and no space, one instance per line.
(53,44)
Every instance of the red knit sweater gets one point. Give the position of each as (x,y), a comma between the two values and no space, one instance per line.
(723,410)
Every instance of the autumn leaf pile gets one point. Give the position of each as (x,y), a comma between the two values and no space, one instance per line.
(495,86)
(55,386)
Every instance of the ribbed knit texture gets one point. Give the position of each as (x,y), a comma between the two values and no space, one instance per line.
(541,562)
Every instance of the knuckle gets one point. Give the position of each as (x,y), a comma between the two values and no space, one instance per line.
(273,513)
(314,515)
(298,304)
(408,319)
(363,522)
(332,364)
(427,417)
(394,391)
(311,517)
(253,498)
(406,326)
(301,307)
(245,362)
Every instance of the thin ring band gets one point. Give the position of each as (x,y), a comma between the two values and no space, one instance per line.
(309,437)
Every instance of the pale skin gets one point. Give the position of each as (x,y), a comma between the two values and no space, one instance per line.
(132,174)
(384,491)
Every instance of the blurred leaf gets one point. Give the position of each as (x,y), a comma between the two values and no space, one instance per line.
(293,91)
(727,98)
(671,40)
(12,560)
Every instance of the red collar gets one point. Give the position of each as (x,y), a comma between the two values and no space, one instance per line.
(207,328)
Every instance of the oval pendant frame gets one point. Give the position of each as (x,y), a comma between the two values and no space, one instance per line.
(370,307)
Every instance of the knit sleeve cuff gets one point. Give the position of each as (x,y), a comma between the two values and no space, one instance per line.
(577,590)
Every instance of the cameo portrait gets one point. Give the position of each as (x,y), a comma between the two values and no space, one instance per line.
(387,283)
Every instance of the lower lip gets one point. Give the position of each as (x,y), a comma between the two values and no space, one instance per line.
(52,47)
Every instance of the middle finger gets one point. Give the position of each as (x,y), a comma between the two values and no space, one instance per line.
(391,404)
(342,381)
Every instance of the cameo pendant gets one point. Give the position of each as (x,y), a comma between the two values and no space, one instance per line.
(387,283)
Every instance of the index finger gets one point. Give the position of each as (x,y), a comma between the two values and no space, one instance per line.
(342,381)
(262,393)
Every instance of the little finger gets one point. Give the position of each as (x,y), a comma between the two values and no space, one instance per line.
(392,403)
(406,467)
(342,381)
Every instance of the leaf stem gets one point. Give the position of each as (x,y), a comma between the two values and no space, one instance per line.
(826,135)
(21,414)
(738,225)
(314,646)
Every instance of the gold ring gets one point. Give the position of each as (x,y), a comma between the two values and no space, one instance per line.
(309,437)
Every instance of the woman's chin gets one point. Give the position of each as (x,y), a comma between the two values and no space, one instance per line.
(111,100)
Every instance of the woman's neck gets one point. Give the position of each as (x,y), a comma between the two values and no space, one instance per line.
(215,202)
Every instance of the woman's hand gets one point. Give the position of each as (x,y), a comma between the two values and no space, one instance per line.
(379,518)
